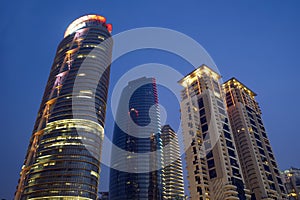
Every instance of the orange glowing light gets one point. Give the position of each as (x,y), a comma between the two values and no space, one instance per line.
(109,27)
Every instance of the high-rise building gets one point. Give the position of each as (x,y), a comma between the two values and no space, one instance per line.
(212,162)
(136,158)
(172,171)
(291,181)
(63,157)
(257,159)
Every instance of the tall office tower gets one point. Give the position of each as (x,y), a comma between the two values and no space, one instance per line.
(136,158)
(211,157)
(172,171)
(63,157)
(291,181)
(258,163)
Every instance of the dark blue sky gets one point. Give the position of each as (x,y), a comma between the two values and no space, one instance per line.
(255,41)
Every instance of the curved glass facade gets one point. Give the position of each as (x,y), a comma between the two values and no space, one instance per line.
(137,157)
(63,157)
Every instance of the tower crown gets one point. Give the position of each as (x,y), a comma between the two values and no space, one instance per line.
(84,21)
(199,72)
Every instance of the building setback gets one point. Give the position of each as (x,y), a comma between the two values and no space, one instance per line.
(212,162)
(63,157)
(136,158)
(172,171)
(258,162)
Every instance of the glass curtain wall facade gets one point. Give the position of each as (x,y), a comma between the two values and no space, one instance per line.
(136,159)
(257,159)
(212,162)
(63,157)
(172,172)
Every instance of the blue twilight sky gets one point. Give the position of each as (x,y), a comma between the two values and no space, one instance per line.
(255,41)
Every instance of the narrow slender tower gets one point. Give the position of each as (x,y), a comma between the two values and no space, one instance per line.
(172,171)
(257,159)
(212,161)
(63,157)
(136,159)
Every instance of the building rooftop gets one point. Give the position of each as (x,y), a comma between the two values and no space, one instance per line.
(200,70)
(240,85)
(81,22)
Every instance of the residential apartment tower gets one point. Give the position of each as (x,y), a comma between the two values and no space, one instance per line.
(212,161)
(257,159)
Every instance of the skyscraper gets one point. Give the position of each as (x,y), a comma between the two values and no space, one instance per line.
(291,181)
(136,158)
(257,159)
(172,171)
(211,157)
(63,157)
